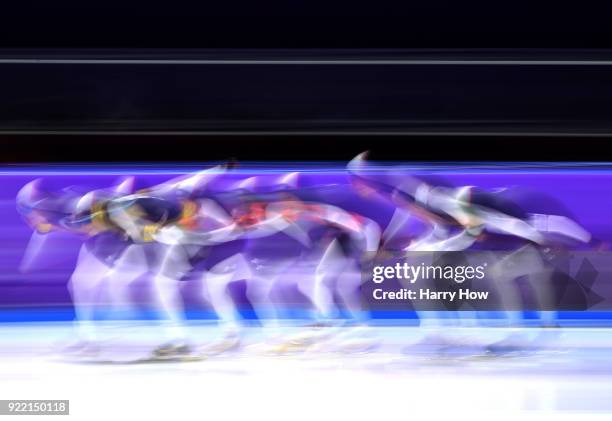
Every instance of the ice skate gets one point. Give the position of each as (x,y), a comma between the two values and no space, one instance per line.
(172,352)
(82,349)
(439,345)
(302,341)
(517,343)
(228,343)
(353,340)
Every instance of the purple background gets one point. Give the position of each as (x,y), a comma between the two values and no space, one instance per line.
(587,194)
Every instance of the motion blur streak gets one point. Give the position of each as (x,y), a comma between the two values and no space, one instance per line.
(243,263)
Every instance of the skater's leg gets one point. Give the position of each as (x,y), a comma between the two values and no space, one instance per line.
(348,287)
(504,273)
(317,288)
(435,325)
(432,320)
(312,276)
(264,277)
(540,281)
(216,281)
(526,261)
(174,266)
(131,265)
(355,336)
(84,287)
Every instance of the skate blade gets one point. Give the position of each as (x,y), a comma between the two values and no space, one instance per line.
(359,347)
(289,348)
(218,349)
(147,360)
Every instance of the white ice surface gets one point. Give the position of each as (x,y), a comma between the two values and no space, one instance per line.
(568,378)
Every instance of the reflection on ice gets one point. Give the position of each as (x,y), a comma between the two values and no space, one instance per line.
(570,373)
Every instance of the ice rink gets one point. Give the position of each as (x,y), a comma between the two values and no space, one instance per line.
(568,376)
